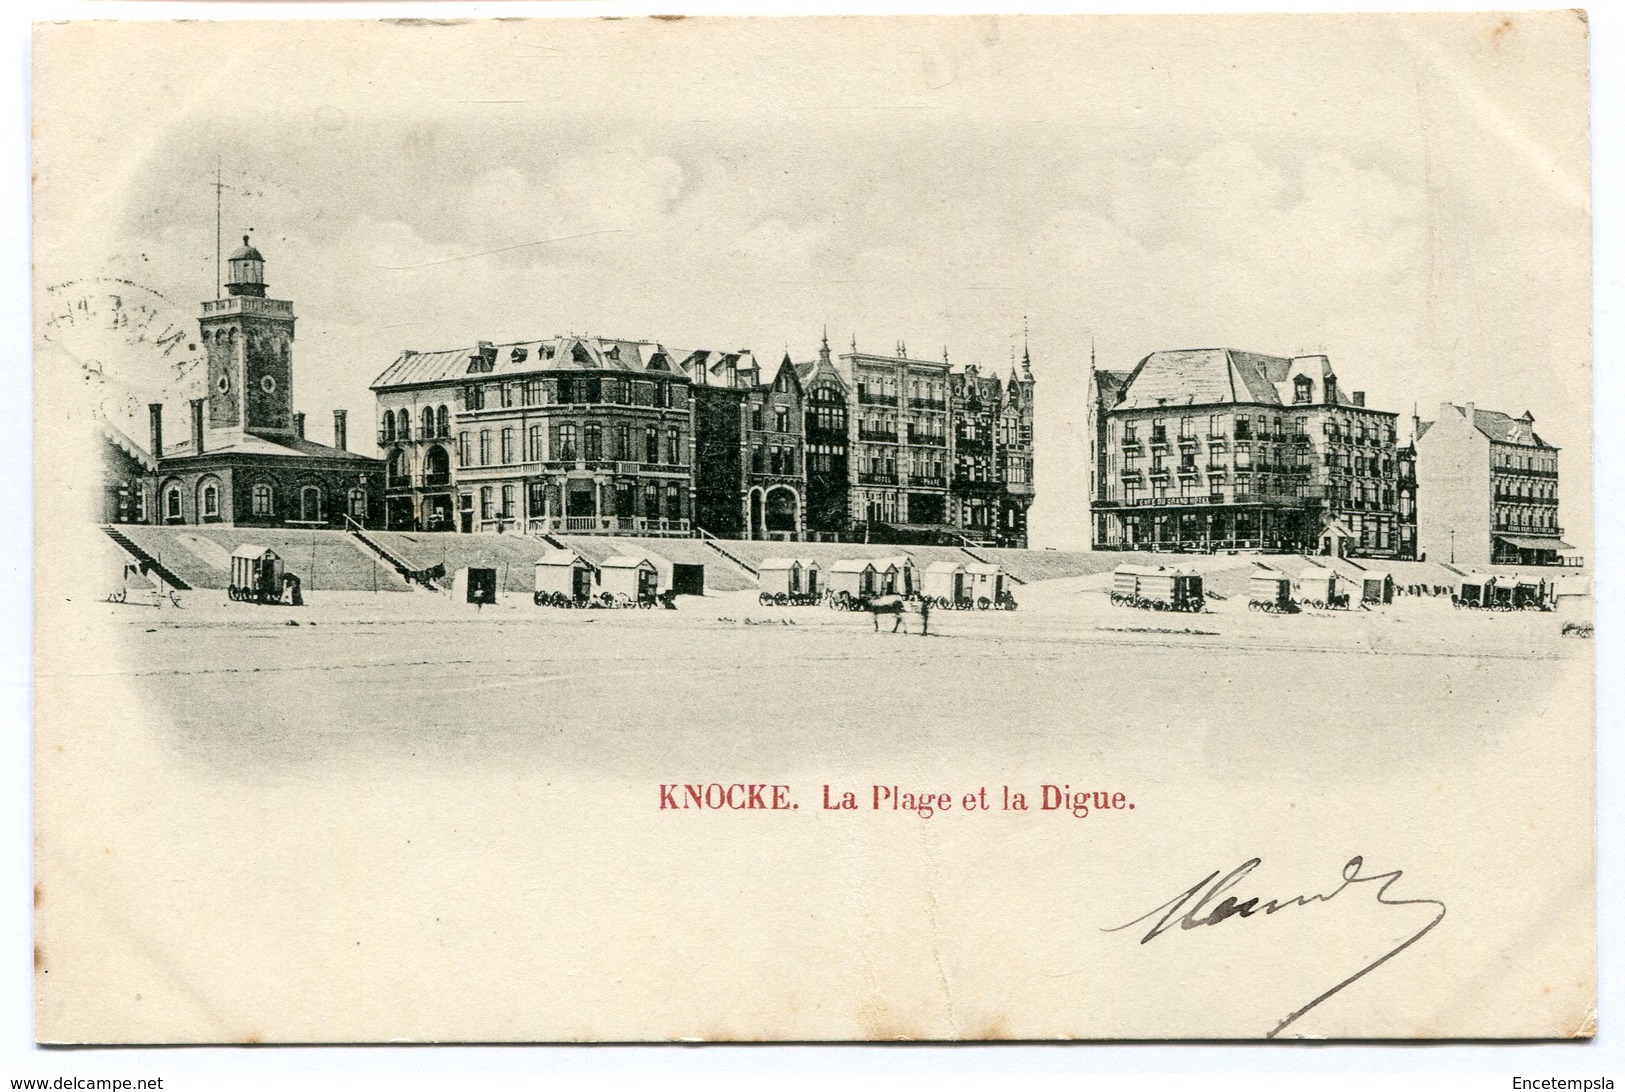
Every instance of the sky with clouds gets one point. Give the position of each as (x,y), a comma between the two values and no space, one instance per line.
(1407,194)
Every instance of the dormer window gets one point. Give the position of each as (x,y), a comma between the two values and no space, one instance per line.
(1303,390)
(519,354)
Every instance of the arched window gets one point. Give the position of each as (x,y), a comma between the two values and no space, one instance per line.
(172,503)
(389,426)
(442,422)
(428,423)
(436,466)
(208,499)
(358,504)
(310,504)
(264,500)
(399,467)
(403,424)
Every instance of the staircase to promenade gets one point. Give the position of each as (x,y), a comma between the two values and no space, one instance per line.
(716,544)
(153,565)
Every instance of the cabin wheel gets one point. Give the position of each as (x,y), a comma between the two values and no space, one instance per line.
(983,603)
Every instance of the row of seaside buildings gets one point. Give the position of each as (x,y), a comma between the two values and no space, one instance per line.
(1215,449)
(591,435)
(1191,450)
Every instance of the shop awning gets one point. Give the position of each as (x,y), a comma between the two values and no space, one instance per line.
(1531,542)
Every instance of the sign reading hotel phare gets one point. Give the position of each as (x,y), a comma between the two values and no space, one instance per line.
(657,645)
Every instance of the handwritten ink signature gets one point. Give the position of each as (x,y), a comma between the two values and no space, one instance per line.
(1213,885)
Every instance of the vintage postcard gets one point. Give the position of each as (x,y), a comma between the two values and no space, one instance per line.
(945,528)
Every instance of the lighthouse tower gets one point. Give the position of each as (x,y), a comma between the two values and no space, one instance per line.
(249,342)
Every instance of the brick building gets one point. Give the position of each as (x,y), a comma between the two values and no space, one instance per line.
(245,459)
(1209,449)
(1489,490)
(826,422)
(750,466)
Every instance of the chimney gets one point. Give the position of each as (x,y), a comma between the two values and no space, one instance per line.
(1468,410)
(299,425)
(197,426)
(340,431)
(1359,398)
(155,410)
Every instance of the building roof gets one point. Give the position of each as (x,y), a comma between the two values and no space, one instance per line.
(945,567)
(1500,427)
(245,252)
(774,564)
(252,552)
(1195,377)
(852,565)
(563,558)
(1171,378)
(623,561)
(1109,384)
(1508,430)
(238,442)
(558,354)
(115,436)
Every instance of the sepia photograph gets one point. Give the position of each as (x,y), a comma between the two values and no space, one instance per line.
(815,529)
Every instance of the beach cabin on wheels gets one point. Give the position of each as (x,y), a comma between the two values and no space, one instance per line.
(475,584)
(1152,587)
(897,575)
(1271,592)
(1475,590)
(788,580)
(256,575)
(852,579)
(1376,588)
(1321,588)
(1529,592)
(635,578)
(563,578)
(989,586)
(946,585)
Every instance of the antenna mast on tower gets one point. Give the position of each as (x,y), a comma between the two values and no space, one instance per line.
(218,187)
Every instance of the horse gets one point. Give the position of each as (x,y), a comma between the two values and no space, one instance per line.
(898,605)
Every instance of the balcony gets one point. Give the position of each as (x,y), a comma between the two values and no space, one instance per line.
(1187,442)
(973,447)
(1132,444)
(927,403)
(1188,471)
(869,398)
(926,439)
(1131,475)
(398,481)
(436,481)
(248,305)
(876,436)
(1159,474)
